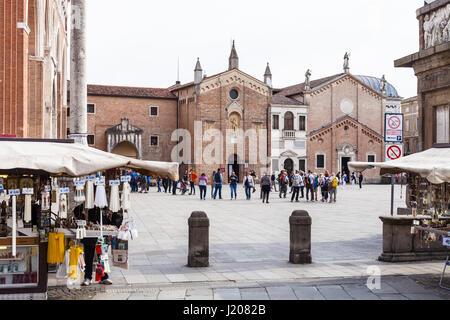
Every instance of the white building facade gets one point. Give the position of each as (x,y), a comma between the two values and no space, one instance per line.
(288,138)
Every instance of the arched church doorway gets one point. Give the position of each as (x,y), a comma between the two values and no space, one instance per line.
(233,165)
(289,165)
(126,149)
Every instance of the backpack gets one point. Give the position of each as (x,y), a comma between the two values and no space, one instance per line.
(329,184)
(296,181)
(307,181)
(334,183)
(217,177)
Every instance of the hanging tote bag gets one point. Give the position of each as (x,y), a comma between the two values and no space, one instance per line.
(120,258)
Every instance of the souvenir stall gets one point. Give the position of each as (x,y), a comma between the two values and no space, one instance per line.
(49,191)
(425,234)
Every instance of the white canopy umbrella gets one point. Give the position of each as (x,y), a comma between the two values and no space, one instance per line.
(72,159)
(432,164)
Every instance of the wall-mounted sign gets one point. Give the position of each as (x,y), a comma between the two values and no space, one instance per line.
(393,127)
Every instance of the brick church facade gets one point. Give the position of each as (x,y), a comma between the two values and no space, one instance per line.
(33,68)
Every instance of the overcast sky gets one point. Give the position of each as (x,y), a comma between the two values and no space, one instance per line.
(138,42)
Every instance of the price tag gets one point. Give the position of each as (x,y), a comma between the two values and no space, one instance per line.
(100,182)
(47,188)
(91,178)
(81,223)
(64,190)
(1,187)
(446,242)
(125,178)
(27,191)
(14,192)
(114,183)
(80,183)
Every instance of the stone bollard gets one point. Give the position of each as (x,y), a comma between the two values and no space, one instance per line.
(300,237)
(198,255)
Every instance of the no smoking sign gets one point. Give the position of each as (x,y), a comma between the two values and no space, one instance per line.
(393,151)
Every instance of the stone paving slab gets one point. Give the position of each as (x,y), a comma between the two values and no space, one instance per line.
(334,292)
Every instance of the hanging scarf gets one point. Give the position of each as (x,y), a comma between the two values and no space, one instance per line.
(114,201)
(89,204)
(126,196)
(27,213)
(63,206)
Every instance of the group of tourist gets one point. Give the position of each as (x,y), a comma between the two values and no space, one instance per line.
(298,183)
(139,182)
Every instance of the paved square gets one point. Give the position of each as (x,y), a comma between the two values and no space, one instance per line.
(249,249)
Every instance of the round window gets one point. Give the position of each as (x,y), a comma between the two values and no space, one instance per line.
(234,94)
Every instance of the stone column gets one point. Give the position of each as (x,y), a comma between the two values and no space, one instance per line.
(78,84)
(198,255)
(300,237)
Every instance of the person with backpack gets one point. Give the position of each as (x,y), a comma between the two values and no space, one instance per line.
(296,180)
(265,187)
(315,185)
(309,184)
(233,185)
(248,185)
(273,182)
(283,182)
(218,184)
(332,187)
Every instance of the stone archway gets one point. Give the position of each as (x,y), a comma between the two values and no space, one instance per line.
(289,165)
(124,132)
(126,149)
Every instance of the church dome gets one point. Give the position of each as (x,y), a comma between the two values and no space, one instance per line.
(375,84)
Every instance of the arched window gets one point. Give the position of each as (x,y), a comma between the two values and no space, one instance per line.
(288,121)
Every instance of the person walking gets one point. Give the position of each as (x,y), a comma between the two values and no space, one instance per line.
(302,184)
(332,187)
(158,183)
(353,179)
(134,186)
(218,179)
(344,179)
(174,187)
(212,185)
(248,185)
(202,185)
(169,184)
(309,184)
(283,182)
(324,186)
(360,178)
(233,185)
(338,176)
(265,187)
(315,185)
(192,178)
(296,181)
(291,179)
(165,184)
(273,179)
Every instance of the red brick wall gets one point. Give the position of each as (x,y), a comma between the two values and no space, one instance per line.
(110,110)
